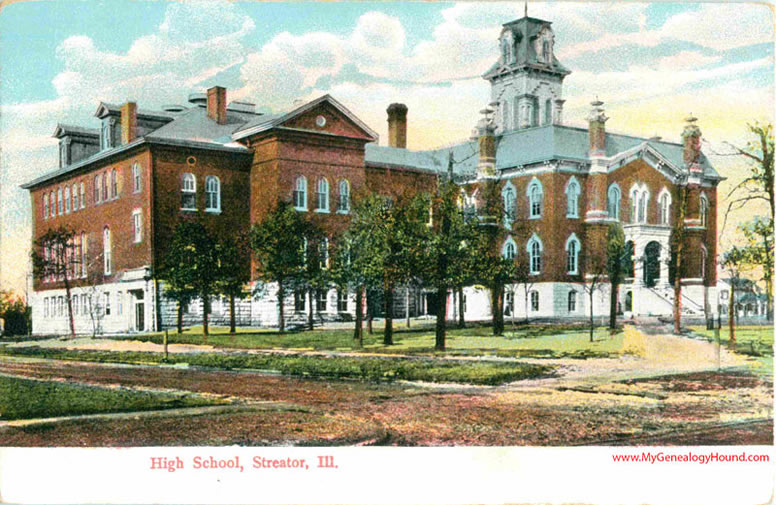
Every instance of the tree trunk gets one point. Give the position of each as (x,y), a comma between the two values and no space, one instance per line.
(369,311)
(592,321)
(205,316)
(732,314)
(441,316)
(461,316)
(407,305)
(613,305)
(232,322)
(497,303)
(281,315)
(310,316)
(358,332)
(525,299)
(69,307)
(678,266)
(388,332)
(180,317)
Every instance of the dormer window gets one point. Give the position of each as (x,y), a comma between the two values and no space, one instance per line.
(105,134)
(546,52)
(62,154)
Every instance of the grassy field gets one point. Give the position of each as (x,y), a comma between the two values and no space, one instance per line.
(373,369)
(28,399)
(550,341)
(752,340)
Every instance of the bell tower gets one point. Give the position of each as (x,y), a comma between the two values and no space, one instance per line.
(527,80)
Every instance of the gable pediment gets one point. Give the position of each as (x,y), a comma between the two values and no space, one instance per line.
(649,155)
(325,117)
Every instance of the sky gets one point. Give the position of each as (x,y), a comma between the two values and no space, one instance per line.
(652,64)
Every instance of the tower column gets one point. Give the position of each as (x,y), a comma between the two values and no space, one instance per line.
(596,181)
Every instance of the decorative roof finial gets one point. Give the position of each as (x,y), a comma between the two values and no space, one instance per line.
(526,8)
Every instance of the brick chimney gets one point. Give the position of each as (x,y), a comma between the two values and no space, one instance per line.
(597,129)
(397,125)
(691,139)
(128,122)
(216,104)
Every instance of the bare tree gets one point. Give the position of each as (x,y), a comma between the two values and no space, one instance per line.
(55,259)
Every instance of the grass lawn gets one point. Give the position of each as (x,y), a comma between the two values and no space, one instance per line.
(363,368)
(550,341)
(755,341)
(28,399)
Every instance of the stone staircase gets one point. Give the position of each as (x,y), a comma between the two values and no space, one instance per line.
(666,295)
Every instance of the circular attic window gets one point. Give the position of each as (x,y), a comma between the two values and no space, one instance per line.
(320,121)
(191,161)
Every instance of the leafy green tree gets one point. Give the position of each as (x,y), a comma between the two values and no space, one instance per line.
(191,268)
(350,270)
(278,245)
(315,274)
(618,261)
(233,272)
(448,251)
(386,242)
(759,249)
(735,261)
(55,257)
(15,313)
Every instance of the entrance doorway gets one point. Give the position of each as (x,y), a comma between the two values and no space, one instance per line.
(629,301)
(139,303)
(651,264)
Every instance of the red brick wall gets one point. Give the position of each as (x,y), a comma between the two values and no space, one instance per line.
(233,171)
(336,122)
(114,213)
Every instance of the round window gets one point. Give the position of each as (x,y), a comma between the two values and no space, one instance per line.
(320,121)
(191,161)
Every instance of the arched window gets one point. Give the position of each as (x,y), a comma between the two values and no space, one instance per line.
(509,250)
(75,197)
(188,192)
(508,196)
(613,202)
(106,250)
(535,197)
(67,199)
(546,51)
(114,184)
(104,180)
(323,253)
(45,206)
(572,254)
(300,193)
(343,203)
(60,202)
(704,211)
(53,205)
(643,208)
(83,195)
(84,246)
(572,198)
(323,195)
(548,112)
(572,301)
(212,194)
(665,208)
(535,248)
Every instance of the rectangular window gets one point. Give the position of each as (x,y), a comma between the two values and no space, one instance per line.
(83,196)
(75,197)
(137,226)
(136,180)
(189,192)
(299,300)
(342,301)
(45,207)
(509,304)
(119,302)
(320,300)
(114,184)
(84,305)
(104,180)
(75,305)
(572,301)
(97,188)
(45,307)
(83,254)
(60,306)
(107,303)
(534,301)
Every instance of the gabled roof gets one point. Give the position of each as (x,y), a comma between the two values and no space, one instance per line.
(193,125)
(63,130)
(265,123)
(105,109)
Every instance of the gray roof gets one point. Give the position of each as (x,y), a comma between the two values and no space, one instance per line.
(111,108)
(63,130)
(193,125)
(526,147)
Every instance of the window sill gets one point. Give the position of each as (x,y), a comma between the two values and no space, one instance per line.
(213,211)
(300,209)
(535,273)
(188,210)
(343,212)
(322,211)
(535,217)
(570,216)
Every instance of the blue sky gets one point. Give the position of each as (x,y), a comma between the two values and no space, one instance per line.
(651,64)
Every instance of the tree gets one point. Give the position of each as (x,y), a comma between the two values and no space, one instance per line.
(386,240)
(232,272)
(760,243)
(524,278)
(347,272)
(677,247)
(15,313)
(594,277)
(55,257)
(757,186)
(278,244)
(191,267)
(618,258)
(448,251)
(314,275)
(734,261)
